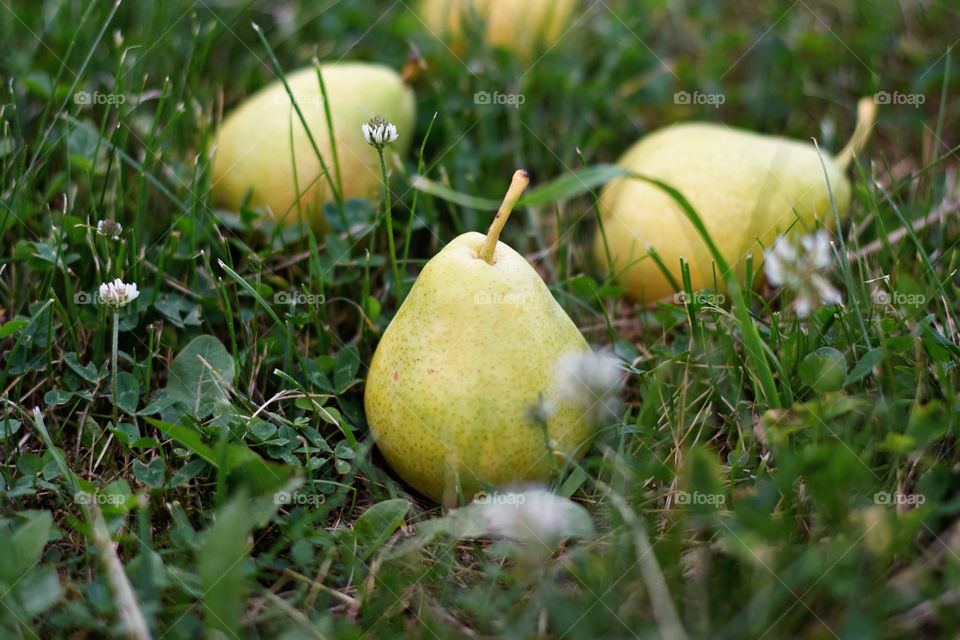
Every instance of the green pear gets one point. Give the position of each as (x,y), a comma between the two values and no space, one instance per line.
(746,187)
(522,27)
(463,367)
(263,148)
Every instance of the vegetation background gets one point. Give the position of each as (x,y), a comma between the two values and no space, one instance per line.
(837,512)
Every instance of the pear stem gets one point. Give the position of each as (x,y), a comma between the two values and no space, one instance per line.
(866,116)
(520,181)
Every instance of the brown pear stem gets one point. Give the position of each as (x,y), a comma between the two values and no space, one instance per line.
(866,116)
(520,181)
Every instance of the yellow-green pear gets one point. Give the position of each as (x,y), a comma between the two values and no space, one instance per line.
(520,26)
(746,187)
(263,148)
(464,366)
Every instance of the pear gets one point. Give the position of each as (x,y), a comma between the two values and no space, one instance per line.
(519,26)
(746,187)
(463,367)
(263,148)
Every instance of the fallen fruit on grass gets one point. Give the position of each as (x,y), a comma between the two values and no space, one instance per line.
(263,148)
(458,376)
(519,26)
(746,187)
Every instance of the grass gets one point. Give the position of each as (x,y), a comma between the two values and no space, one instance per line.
(735,495)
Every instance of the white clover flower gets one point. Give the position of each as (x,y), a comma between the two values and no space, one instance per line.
(588,381)
(118,294)
(378,132)
(533,516)
(817,247)
(109,229)
(801,268)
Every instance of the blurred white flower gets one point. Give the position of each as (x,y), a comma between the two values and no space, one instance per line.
(801,268)
(535,516)
(118,294)
(817,247)
(587,380)
(378,132)
(109,229)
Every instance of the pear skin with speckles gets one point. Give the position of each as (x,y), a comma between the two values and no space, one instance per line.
(459,370)
(264,150)
(746,187)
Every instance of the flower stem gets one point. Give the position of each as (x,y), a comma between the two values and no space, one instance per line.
(541,420)
(386,201)
(113,361)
